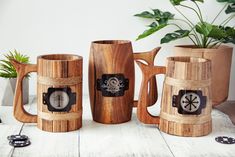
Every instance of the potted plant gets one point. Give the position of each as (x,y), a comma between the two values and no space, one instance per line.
(8,71)
(208,38)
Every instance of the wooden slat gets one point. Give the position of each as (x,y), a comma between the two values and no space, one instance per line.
(5,130)
(47,144)
(130,139)
(205,146)
(9,126)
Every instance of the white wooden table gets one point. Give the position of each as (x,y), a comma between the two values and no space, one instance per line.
(130,139)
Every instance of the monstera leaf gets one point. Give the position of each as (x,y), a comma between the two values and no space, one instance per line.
(230,9)
(160,21)
(158,15)
(228,1)
(154,27)
(230,35)
(177,2)
(174,36)
(145,14)
(204,28)
(212,31)
(162,17)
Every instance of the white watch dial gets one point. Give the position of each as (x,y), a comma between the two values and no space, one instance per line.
(59,99)
(190,102)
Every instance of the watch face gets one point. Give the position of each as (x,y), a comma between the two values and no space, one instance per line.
(59,99)
(113,85)
(190,102)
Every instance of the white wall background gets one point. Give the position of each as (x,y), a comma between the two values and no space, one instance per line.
(37,27)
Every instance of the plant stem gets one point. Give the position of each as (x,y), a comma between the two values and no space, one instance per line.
(209,42)
(219,13)
(192,40)
(198,15)
(199,10)
(227,20)
(173,24)
(205,40)
(184,16)
(198,41)
(190,24)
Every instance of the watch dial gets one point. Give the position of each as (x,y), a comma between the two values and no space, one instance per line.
(59,99)
(190,102)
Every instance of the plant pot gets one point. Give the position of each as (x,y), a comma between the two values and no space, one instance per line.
(7,99)
(221,66)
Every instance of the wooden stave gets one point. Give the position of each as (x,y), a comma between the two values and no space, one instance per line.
(44,70)
(108,114)
(171,127)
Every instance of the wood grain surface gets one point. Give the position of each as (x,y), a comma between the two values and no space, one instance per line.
(131,139)
(187,74)
(65,67)
(49,69)
(116,57)
(221,74)
(111,57)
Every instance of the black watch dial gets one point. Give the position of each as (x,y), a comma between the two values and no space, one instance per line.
(189,102)
(59,99)
(113,85)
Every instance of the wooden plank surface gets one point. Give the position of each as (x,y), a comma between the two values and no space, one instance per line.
(205,146)
(130,139)
(44,144)
(124,140)
(9,126)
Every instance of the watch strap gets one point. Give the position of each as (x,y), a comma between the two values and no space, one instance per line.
(69,81)
(65,116)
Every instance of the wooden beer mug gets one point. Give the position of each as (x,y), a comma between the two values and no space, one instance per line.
(186,100)
(112,80)
(59,92)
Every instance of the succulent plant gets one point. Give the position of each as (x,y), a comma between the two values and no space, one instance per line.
(7,70)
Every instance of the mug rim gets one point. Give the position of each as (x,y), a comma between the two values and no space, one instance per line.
(111,42)
(187,59)
(67,57)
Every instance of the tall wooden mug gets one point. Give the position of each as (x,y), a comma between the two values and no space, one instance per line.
(59,92)
(186,100)
(112,80)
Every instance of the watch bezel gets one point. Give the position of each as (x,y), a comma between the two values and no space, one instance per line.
(67,90)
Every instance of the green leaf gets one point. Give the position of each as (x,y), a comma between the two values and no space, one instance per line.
(151,31)
(212,31)
(227,1)
(230,35)
(145,14)
(204,28)
(159,16)
(154,24)
(217,33)
(174,36)
(177,2)
(7,70)
(230,9)
(162,17)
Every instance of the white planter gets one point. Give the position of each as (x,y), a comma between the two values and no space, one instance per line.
(8,95)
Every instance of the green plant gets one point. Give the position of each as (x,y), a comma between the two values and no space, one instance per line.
(6,68)
(203,34)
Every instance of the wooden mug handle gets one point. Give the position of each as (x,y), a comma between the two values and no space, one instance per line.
(18,108)
(148,71)
(149,57)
